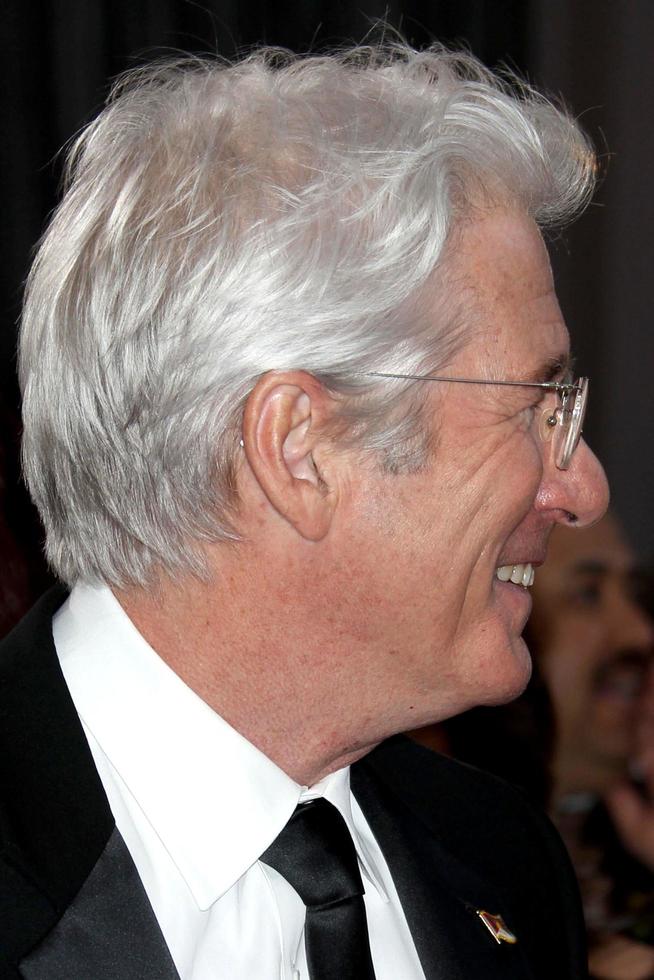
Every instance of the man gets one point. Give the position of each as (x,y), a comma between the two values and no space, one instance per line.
(282,547)
(595,643)
(570,740)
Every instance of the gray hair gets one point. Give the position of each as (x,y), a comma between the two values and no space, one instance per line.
(223,220)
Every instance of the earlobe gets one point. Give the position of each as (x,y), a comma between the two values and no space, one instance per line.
(283,435)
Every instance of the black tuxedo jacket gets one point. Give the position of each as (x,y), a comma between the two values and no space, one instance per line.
(73,908)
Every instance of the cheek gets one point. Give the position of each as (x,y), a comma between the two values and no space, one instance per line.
(615,717)
(508,488)
(526,480)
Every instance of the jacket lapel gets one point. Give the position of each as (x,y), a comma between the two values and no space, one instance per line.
(108,931)
(81,909)
(440,895)
(54,817)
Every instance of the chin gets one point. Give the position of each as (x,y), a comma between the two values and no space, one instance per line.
(509,674)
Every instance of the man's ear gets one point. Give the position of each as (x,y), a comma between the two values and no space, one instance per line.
(284,441)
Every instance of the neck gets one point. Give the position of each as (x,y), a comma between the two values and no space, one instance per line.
(252,660)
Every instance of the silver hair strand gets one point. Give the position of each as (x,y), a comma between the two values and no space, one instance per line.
(222,220)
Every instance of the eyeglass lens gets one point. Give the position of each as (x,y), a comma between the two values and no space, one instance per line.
(571,420)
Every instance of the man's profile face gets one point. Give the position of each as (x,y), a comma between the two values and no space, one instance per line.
(595,642)
(425,546)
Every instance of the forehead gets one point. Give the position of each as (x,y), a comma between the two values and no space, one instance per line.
(500,263)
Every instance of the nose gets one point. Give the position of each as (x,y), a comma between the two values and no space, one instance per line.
(582,490)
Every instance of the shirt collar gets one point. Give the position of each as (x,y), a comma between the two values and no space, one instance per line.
(196,779)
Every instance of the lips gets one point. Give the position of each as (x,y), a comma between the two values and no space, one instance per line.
(520,574)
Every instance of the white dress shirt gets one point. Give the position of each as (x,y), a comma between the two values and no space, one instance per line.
(196,804)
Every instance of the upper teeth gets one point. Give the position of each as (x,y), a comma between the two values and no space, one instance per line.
(518,574)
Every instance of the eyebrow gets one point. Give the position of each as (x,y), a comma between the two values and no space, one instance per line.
(552,368)
(585,568)
(602,567)
(590,566)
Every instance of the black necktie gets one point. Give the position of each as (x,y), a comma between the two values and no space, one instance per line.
(316,855)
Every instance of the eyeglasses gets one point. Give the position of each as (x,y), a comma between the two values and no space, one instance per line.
(565,423)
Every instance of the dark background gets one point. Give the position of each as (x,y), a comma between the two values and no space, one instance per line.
(57,60)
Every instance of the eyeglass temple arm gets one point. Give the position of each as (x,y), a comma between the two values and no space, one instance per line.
(551,385)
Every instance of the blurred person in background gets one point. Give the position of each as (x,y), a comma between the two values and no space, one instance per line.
(581,731)
(594,641)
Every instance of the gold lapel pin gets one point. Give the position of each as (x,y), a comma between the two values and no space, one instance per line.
(497,927)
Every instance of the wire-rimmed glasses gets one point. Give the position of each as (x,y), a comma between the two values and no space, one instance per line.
(564,424)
